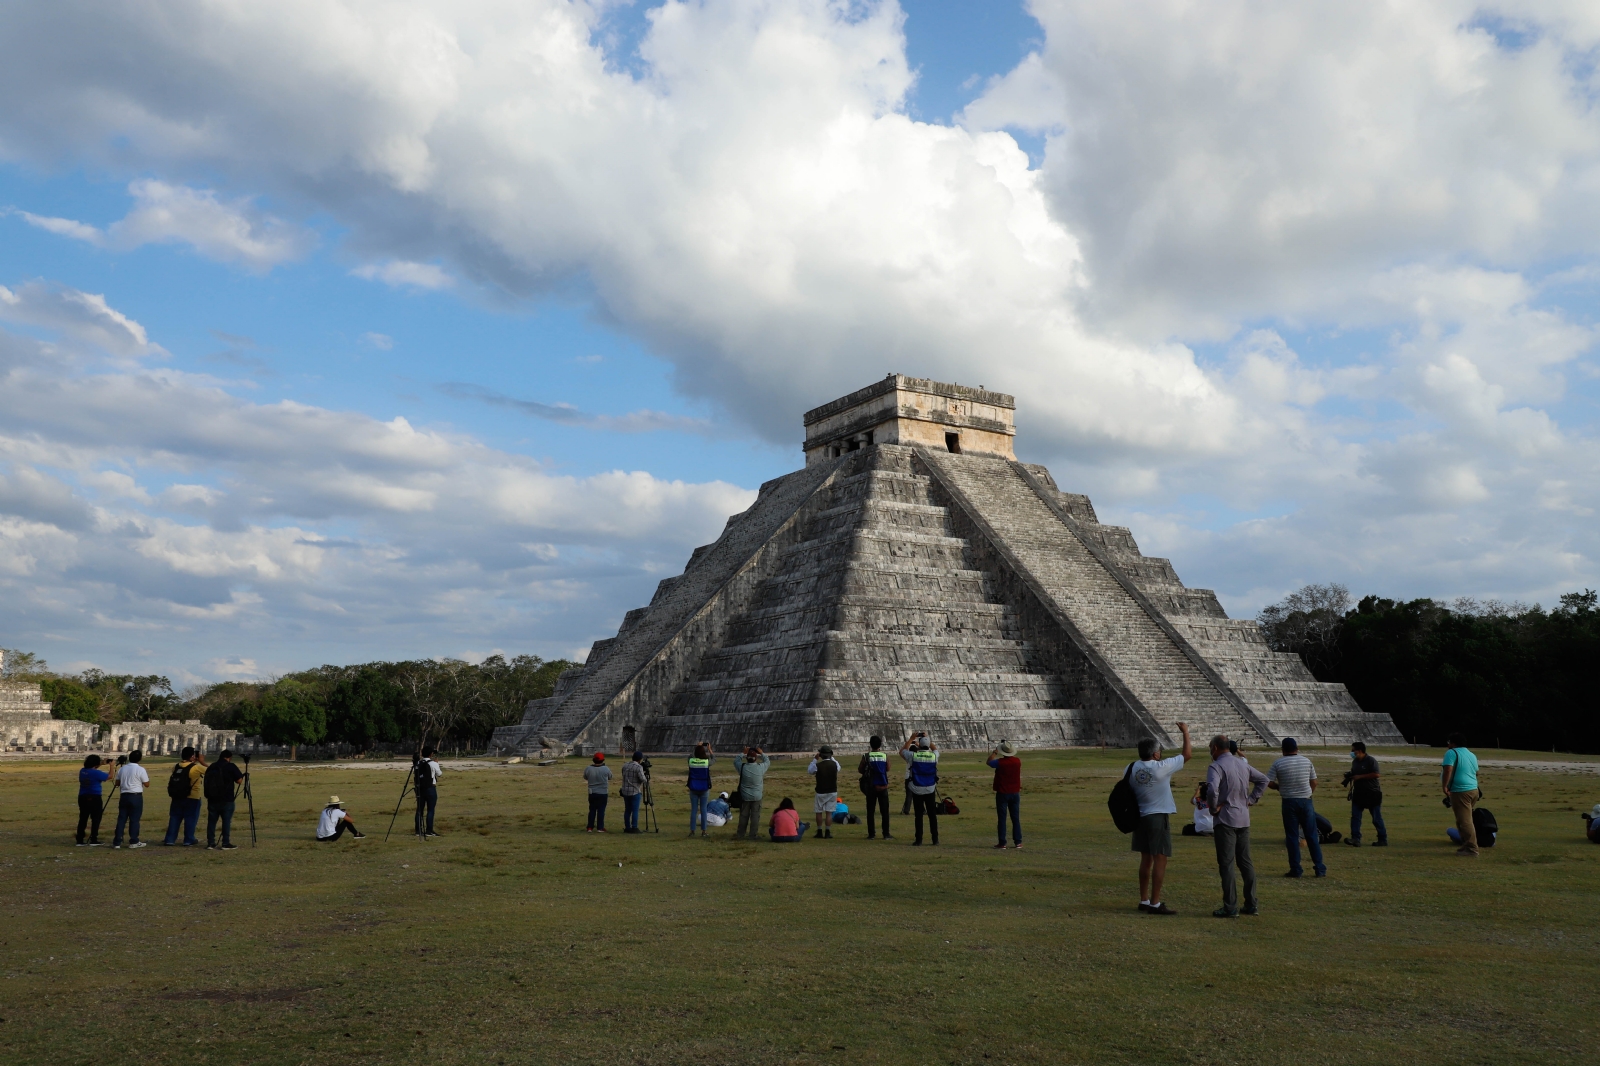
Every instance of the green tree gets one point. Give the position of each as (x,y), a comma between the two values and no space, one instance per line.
(70,699)
(291,714)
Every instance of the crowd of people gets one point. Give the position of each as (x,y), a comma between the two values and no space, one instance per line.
(1221,803)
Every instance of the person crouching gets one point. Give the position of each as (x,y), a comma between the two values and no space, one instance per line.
(334,822)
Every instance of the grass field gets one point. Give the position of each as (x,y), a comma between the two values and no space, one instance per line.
(517,938)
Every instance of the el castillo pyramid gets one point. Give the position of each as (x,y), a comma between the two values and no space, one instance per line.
(914,575)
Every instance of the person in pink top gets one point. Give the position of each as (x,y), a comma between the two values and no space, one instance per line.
(785,824)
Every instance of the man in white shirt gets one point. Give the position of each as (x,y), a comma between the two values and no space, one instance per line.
(131,779)
(427,786)
(1151,778)
(333,822)
(1296,779)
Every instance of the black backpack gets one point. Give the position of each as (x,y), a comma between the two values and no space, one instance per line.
(1124,804)
(178,785)
(1484,827)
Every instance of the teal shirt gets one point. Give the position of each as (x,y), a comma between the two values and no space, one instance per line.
(1466,764)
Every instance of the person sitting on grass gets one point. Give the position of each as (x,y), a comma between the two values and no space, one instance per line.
(1201,802)
(1591,823)
(333,822)
(718,811)
(786,826)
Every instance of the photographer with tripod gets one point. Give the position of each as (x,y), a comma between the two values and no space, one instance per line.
(132,780)
(635,779)
(221,788)
(427,774)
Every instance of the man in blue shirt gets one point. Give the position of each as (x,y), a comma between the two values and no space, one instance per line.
(90,778)
(1460,781)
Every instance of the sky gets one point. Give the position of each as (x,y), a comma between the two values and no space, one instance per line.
(339,331)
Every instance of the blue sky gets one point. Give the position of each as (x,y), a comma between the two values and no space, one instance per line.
(372,334)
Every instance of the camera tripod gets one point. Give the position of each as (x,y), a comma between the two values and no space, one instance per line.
(648,808)
(250,801)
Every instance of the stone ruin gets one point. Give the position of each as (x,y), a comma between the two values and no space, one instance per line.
(26,725)
(914,575)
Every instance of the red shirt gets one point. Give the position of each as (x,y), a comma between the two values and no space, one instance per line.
(1007,774)
(786,823)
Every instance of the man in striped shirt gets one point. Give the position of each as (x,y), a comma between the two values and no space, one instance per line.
(1295,779)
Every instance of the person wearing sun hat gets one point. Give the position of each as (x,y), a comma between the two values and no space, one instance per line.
(1007,791)
(334,821)
(825,769)
(598,775)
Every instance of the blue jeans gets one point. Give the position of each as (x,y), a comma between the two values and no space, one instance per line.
(185,813)
(427,800)
(129,810)
(1357,805)
(1009,802)
(1300,816)
(697,809)
(630,811)
(219,812)
(597,810)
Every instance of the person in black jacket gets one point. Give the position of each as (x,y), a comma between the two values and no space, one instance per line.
(1365,794)
(221,785)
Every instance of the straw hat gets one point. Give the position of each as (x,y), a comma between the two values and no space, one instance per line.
(335,801)
(1007,749)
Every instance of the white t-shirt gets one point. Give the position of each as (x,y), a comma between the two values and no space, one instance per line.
(328,824)
(1152,783)
(1203,821)
(132,779)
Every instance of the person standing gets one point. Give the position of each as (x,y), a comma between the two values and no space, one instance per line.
(699,784)
(598,776)
(1296,779)
(1365,795)
(1007,769)
(1234,786)
(221,785)
(922,758)
(91,801)
(632,791)
(874,771)
(1151,779)
(752,770)
(1459,777)
(427,774)
(185,810)
(132,780)
(825,770)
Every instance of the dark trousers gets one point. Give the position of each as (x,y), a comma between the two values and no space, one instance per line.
(1300,818)
(1233,849)
(749,820)
(877,800)
(1009,803)
(630,811)
(89,815)
(339,831)
(928,805)
(129,810)
(597,810)
(905,808)
(1359,804)
(216,812)
(185,813)
(427,800)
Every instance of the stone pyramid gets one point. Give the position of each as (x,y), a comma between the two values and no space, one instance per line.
(914,575)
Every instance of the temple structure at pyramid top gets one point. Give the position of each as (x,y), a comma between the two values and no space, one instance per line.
(915,575)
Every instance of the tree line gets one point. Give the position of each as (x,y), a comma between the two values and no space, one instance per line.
(445,701)
(1504,674)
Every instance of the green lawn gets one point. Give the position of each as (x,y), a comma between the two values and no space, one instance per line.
(517,938)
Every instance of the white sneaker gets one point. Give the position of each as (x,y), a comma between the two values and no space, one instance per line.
(138,845)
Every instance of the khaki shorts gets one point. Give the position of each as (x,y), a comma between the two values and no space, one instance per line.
(826,801)
(1153,835)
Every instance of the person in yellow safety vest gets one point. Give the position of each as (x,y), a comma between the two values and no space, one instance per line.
(699,784)
(874,771)
(923,757)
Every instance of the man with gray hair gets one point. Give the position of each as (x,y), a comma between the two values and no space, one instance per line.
(1151,778)
(1233,785)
